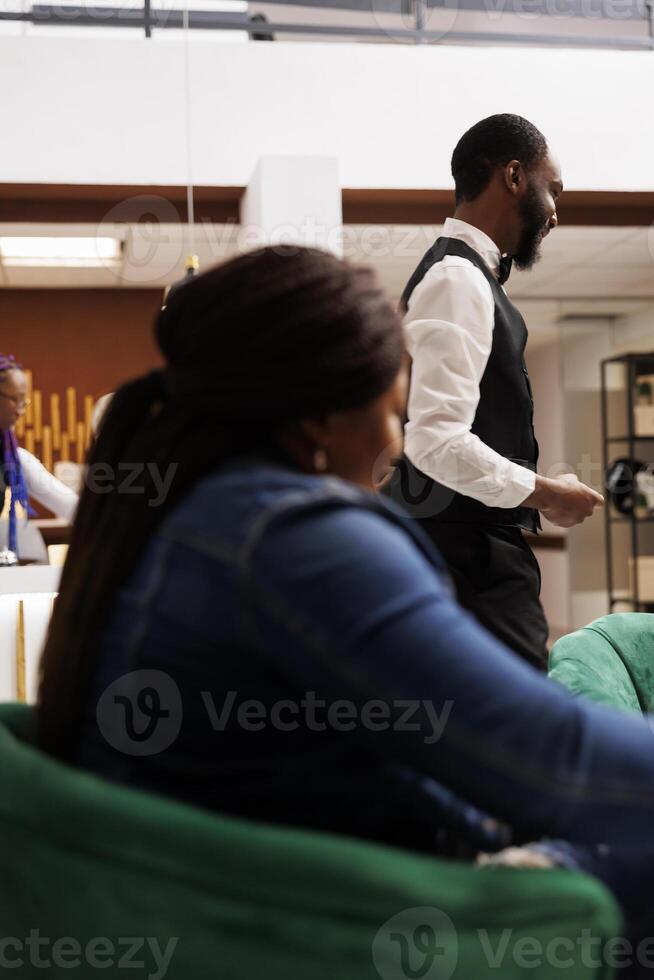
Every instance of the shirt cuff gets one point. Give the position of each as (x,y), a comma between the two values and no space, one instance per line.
(520,484)
(483,474)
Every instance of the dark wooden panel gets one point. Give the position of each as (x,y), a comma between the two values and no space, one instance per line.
(52,531)
(396,207)
(547,542)
(81,203)
(71,203)
(93,339)
(364,206)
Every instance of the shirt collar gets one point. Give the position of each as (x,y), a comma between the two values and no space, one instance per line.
(475,238)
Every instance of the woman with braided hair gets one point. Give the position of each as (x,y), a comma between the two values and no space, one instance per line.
(269,638)
(22,472)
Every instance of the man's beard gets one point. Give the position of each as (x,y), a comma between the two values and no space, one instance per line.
(534,227)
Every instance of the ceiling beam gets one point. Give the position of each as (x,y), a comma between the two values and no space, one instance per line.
(426,207)
(72,203)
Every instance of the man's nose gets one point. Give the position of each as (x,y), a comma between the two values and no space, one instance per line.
(553,222)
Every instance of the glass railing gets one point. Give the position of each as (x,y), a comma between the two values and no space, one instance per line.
(578,23)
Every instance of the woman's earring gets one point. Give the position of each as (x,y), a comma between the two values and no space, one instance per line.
(320,461)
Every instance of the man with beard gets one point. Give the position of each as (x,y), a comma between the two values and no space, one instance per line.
(469,470)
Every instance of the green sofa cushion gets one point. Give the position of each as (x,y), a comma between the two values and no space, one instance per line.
(84,858)
(611,661)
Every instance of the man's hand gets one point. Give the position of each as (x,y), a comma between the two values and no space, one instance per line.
(564,502)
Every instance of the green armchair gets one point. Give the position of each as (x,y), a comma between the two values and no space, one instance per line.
(611,660)
(100,877)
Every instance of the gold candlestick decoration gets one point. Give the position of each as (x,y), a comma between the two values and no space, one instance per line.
(28,410)
(55,421)
(51,435)
(89,402)
(37,406)
(71,413)
(81,448)
(46,448)
(20,653)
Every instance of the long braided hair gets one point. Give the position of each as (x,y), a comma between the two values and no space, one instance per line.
(12,471)
(270,338)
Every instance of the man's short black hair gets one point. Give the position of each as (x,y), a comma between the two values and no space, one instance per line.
(491,143)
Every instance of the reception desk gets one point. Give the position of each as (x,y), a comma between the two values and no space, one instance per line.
(26,597)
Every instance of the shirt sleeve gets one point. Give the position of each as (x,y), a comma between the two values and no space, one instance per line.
(356,613)
(449,334)
(46,488)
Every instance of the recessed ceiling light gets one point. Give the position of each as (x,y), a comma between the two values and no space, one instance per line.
(75,252)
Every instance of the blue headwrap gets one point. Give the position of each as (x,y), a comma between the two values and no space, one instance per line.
(11,468)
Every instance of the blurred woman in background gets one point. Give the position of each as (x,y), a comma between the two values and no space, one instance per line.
(23,473)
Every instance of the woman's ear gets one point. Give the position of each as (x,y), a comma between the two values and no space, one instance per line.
(318,431)
(307,442)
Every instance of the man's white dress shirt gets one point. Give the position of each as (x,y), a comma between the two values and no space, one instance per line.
(449,334)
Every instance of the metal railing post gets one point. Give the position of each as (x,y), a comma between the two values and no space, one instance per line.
(419,19)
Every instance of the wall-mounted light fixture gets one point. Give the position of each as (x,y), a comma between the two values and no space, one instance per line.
(53,251)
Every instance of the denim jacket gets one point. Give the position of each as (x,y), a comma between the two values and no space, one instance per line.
(289,650)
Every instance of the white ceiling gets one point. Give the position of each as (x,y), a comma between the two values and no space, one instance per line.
(576,262)
(600,271)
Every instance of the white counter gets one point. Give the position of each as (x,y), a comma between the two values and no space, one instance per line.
(29,578)
(32,588)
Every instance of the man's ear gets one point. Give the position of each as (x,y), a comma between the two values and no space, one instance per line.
(514,176)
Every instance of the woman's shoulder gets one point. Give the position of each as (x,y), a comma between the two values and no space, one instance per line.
(263,491)
(256,505)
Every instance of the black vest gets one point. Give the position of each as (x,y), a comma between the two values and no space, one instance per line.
(504,417)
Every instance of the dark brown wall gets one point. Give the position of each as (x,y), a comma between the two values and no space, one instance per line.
(85,202)
(93,339)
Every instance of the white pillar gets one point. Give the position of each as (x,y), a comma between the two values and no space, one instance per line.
(293,200)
